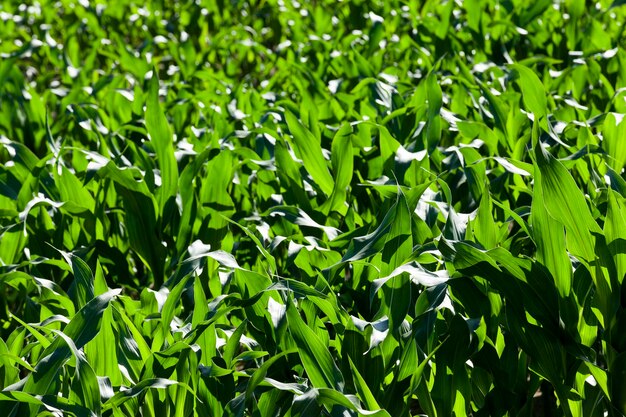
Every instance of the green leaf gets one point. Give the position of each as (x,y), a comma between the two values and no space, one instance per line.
(496,107)
(484,224)
(549,236)
(143,236)
(162,140)
(233,344)
(330,398)
(85,387)
(258,376)
(268,256)
(301,218)
(615,232)
(83,327)
(103,359)
(72,190)
(533,92)
(399,240)
(364,246)
(317,361)
(362,389)
(152,383)
(416,379)
(308,147)
(83,285)
(342,159)
(565,202)
(435,101)
(171,303)
(613,136)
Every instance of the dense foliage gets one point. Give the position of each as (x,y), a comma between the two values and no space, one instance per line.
(302,208)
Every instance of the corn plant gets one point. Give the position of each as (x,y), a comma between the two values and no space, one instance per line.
(267,208)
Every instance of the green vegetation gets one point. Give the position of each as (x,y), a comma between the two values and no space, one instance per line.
(278,208)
